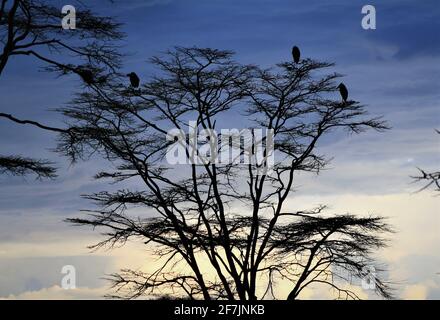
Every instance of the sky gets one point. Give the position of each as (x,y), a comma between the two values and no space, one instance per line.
(394,70)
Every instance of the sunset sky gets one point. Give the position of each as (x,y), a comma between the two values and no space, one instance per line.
(394,70)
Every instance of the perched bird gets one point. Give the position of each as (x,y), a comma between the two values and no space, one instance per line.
(134,79)
(86,75)
(296,54)
(343,91)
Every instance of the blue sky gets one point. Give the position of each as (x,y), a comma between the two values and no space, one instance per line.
(394,70)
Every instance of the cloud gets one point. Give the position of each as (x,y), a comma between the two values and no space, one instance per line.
(29,273)
(415,292)
(393,69)
(411,28)
(422,291)
(142,4)
(58,293)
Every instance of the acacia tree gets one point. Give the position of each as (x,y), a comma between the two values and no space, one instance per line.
(222,231)
(33,28)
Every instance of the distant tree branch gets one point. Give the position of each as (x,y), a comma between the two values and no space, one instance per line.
(33,123)
(33,28)
(35,24)
(430,179)
(20,166)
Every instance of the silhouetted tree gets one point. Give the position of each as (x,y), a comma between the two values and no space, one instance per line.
(223,231)
(33,28)
(431,179)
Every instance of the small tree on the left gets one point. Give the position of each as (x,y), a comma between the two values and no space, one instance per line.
(34,28)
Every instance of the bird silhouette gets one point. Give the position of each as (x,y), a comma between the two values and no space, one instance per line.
(134,79)
(343,91)
(86,75)
(296,54)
